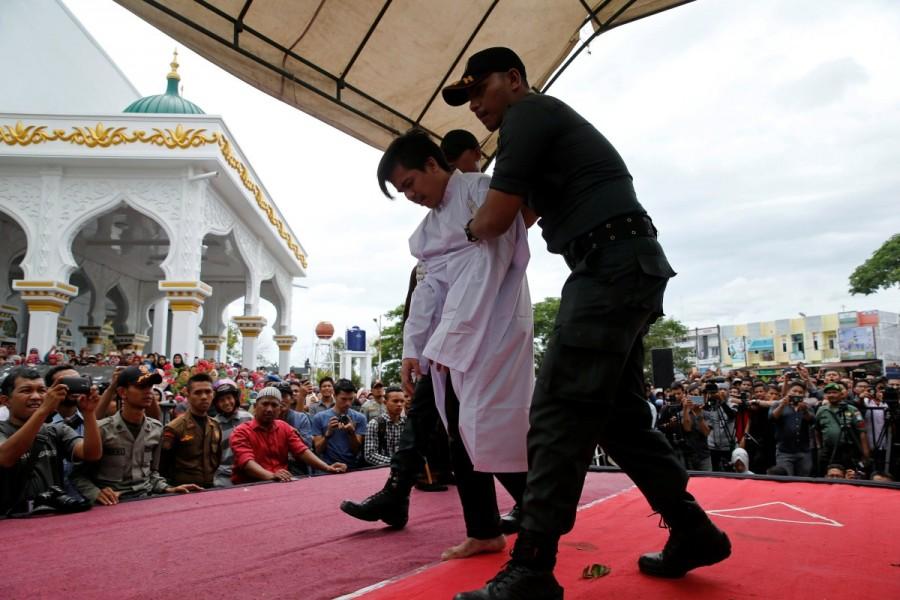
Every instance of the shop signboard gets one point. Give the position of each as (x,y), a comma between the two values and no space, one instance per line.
(856,342)
(736,351)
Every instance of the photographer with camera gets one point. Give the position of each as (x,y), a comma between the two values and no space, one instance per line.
(695,430)
(669,421)
(32,451)
(67,412)
(721,439)
(880,415)
(840,430)
(338,432)
(793,417)
(862,391)
(759,436)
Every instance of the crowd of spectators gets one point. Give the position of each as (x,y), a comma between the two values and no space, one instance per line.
(160,426)
(796,424)
(157,426)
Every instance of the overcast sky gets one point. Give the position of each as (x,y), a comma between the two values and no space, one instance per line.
(763,137)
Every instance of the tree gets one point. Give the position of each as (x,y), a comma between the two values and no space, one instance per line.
(665,333)
(391,345)
(232,344)
(880,271)
(544,318)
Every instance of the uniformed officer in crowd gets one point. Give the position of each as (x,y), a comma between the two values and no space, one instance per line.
(129,467)
(553,163)
(192,443)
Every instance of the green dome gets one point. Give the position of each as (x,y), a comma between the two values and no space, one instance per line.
(169,103)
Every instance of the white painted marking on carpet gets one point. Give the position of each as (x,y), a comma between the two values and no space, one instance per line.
(821,519)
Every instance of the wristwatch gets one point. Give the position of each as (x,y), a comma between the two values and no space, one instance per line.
(468,229)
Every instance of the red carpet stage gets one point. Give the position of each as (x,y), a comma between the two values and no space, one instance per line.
(790,540)
(286,540)
(797,540)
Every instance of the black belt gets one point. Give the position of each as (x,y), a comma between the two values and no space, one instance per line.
(616,229)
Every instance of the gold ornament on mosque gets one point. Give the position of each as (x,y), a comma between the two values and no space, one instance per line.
(105,137)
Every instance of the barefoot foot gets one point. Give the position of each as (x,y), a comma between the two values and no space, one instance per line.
(471,547)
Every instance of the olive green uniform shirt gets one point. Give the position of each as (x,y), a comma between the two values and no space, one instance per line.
(130,464)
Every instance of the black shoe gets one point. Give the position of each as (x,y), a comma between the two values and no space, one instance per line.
(509,523)
(390,505)
(517,582)
(431,487)
(57,500)
(687,549)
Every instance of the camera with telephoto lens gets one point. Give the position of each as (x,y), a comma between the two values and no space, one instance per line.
(343,419)
(711,393)
(795,400)
(77,385)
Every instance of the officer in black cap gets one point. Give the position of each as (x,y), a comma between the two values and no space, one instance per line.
(590,389)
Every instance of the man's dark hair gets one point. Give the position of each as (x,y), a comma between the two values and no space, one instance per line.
(377,384)
(392,388)
(411,151)
(9,384)
(49,375)
(456,142)
(199,378)
(324,379)
(777,470)
(760,384)
(344,385)
(835,466)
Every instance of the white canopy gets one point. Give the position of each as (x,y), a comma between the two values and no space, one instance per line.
(375,68)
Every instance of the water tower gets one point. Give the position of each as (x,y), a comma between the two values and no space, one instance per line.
(323,353)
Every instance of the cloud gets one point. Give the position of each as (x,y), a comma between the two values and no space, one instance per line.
(824,84)
(761,137)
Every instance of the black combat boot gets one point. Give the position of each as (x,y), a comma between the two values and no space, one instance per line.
(528,576)
(693,542)
(509,523)
(390,505)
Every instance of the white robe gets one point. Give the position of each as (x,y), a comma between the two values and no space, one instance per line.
(484,330)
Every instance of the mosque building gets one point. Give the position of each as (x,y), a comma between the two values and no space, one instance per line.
(134,227)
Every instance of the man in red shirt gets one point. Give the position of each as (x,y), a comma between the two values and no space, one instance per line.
(261,446)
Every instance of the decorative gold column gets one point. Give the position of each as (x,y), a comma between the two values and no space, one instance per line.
(185,299)
(250,327)
(285,344)
(131,342)
(212,345)
(45,301)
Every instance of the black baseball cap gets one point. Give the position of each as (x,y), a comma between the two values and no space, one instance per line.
(141,376)
(456,142)
(480,65)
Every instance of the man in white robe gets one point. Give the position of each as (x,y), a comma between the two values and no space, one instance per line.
(470,326)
